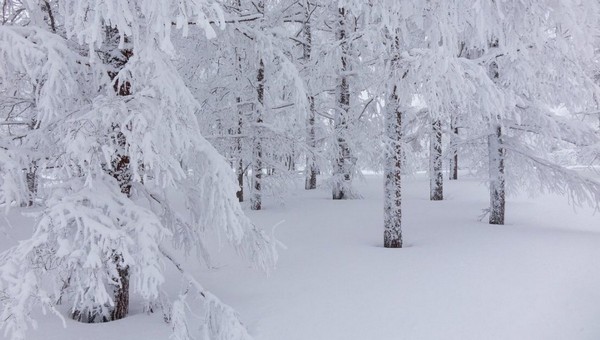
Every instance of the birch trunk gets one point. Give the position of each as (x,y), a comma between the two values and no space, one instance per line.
(342,167)
(257,165)
(497,177)
(120,170)
(238,147)
(392,236)
(453,175)
(311,167)
(496,155)
(31,177)
(392,201)
(436,177)
(240,164)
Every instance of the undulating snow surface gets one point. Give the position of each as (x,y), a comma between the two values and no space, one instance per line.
(538,277)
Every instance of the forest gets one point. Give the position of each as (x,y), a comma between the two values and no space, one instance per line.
(299,169)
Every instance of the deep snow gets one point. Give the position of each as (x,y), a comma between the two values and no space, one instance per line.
(538,277)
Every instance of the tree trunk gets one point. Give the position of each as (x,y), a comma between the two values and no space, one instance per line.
(454,159)
(496,155)
(392,236)
(311,167)
(121,171)
(436,177)
(392,202)
(497,177)
(31,174)
(240,125)
(257,168)
(240,177)
(238,147)
(122,291)
(31,177)
(342,165)
(311,164)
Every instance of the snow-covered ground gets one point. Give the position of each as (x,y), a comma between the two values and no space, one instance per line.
(538,277)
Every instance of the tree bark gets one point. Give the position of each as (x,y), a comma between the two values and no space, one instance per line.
(122,291)
(496,155)
(497,177)
(31,177)
(392,203)
(122,173)
(120,170)
(436,177)
(342,164)
(257,169)
(239,150)
(454,158)
(392,236)
(311,166)
(31,174)
(240,177)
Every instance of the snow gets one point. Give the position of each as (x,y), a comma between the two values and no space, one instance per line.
(537,277)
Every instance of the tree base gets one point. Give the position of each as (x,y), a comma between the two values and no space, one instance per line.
(392,239)
(393,244)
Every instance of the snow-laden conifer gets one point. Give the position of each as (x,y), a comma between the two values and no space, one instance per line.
(114,135)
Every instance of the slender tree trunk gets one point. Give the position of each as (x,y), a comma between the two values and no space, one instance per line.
(392,202)
(257,169)
(311,166)
(240,125)
(311,163)
(121,171)
(454,158)
(496,155)
(392,236)
(31,176)
(497,177)
(436,177)
(32,183)
(122,291)
(342,165)
(240,174)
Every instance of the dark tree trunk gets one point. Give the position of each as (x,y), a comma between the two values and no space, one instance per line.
(238,147)
(121,171)
(311,166)
(392,236)
(392,203)
(496,154)
(31,177)
(122,291)
(240,123)
(342,164)
(240,177)
(497,177)
(256,201)
(436,177)
(454,158)
(31,174)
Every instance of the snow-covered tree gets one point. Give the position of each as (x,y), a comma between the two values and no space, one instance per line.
(114,137)
(529,60)
(226,83)
(503,91)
